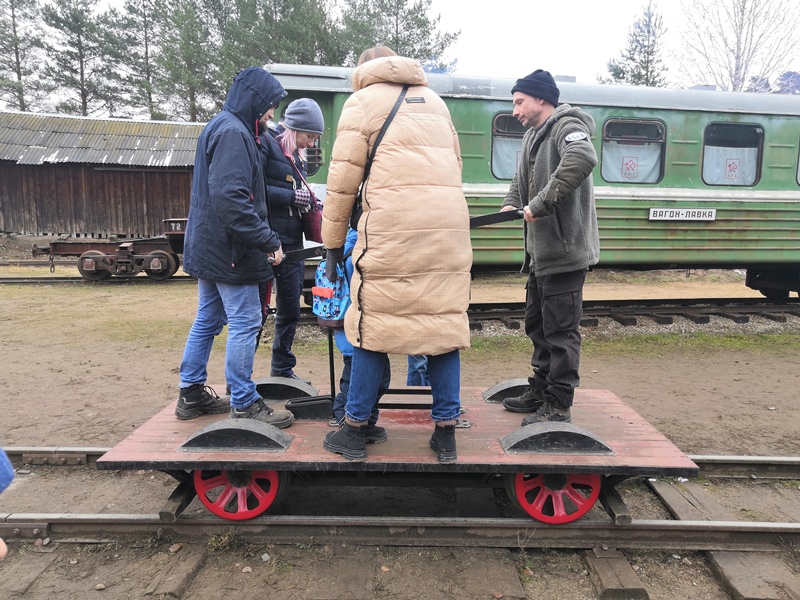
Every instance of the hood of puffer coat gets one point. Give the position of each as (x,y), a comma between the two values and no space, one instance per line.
(253,92)
(389,69)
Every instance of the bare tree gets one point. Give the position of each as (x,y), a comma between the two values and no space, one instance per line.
(733,42)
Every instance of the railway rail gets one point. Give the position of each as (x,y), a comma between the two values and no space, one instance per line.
(692,525)
(620,531)
(662,311)
(75,280)
(699,535)
(626,312)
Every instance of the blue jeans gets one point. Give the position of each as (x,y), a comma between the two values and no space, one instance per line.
(288,288)
(418,370)
(239,307)
(340,401)
(444,371)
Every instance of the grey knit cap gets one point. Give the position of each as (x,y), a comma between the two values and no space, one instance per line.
(304,115)
(539,84)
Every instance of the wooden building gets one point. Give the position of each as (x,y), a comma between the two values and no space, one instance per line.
(93,177)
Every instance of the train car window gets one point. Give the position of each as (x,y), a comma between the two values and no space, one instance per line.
(732,154)
(633,151)
(507,135)
(315,157)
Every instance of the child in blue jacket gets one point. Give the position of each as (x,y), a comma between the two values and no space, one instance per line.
(374,433)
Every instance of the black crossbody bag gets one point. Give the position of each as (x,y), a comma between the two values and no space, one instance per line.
(358,208)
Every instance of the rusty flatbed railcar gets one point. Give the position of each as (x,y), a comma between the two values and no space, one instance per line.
(554,471)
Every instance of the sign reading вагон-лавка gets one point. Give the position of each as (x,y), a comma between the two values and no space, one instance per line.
(682,214)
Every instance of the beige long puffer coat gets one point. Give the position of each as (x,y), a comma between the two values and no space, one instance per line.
(410,287)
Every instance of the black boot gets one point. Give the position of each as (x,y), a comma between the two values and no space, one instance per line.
(443,441)
(199,399)
(347,441)
(530,400)
(374,434)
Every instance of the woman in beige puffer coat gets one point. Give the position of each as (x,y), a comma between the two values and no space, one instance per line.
(410,287)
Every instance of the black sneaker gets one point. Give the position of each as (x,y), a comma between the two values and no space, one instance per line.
(529,401)
(443,441)
(374,434)
(291,375)
(347,441)
(261,412)
(336,421)
(197,400)
(549,412)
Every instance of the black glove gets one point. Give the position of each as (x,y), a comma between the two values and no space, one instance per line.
(333,257)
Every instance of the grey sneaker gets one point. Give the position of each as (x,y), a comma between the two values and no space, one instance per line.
(549,412)
(197,400)
(261,412)
(529,401)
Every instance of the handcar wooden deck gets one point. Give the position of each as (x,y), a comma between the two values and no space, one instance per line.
(555,472)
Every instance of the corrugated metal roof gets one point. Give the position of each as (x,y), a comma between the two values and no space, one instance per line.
(33,139)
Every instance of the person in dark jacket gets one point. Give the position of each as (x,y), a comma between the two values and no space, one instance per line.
(228,246)
(553,186)
(284,153)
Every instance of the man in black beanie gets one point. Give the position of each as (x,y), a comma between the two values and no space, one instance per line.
(553,186)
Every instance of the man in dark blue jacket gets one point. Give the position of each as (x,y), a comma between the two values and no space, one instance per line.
(227,245)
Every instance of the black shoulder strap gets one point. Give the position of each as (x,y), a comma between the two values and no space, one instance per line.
(383,131)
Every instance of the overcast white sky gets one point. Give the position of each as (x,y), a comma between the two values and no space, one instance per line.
(511,38)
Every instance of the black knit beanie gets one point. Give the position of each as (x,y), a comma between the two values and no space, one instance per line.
(539,84)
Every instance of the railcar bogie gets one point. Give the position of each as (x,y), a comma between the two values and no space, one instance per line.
(100,260)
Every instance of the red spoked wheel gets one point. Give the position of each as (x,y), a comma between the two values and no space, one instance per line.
(554,498)
(238,495)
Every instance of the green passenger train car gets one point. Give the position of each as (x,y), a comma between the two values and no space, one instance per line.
(687,179)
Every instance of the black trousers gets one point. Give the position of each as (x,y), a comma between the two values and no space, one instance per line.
(553,309)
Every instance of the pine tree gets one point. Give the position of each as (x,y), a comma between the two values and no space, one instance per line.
(187,62)
(20,56)
(78,51)
(274,31)
(759,85)
(138,31)
(641,63)
(403,27)
(788,83)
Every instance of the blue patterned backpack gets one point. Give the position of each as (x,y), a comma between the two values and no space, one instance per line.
(331,300)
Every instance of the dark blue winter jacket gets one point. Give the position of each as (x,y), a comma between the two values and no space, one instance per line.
(281,181)
(228,234)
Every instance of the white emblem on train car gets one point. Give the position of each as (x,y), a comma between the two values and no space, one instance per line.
(683,214)
(575,136)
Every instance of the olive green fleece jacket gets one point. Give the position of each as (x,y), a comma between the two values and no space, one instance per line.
(554,179)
